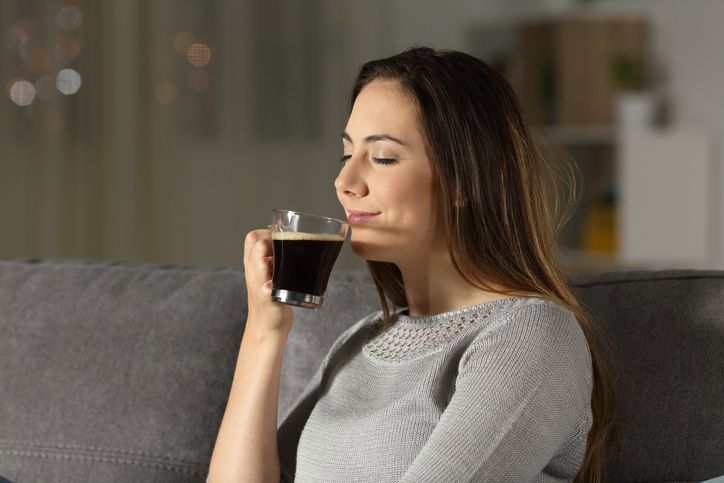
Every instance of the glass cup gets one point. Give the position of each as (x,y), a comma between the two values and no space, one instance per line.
(305,248)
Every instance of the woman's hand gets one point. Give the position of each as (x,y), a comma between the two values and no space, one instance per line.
(246,447)
(265,317)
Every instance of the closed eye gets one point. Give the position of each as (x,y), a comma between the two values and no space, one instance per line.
(346,157)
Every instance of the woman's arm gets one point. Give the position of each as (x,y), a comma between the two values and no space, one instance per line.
(246,446)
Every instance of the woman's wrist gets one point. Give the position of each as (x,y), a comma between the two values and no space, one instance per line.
(260,330)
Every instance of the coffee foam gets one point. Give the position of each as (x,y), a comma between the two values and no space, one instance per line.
(300,235)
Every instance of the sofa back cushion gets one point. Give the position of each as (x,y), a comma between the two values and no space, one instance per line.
(114,372)
(667,328)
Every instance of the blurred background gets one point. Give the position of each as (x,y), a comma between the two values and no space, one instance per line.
(162,131)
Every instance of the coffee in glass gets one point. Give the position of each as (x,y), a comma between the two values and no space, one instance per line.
(305,248)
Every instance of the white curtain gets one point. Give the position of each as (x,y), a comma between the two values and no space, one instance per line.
(156,160)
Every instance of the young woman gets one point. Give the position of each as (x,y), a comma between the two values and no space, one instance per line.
(485,368)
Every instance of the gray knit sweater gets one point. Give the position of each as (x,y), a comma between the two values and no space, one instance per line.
(496,392)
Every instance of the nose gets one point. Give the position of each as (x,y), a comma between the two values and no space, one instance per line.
(350,182)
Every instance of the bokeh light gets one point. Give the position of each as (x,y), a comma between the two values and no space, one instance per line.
(66,48)
(15,37)
(182,41)
(198,80)
(9,84)
(198,55)
(166,92)
(20,33)
(22,92)
(68,81)
(69,18)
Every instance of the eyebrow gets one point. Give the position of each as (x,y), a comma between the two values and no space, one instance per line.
(373,138)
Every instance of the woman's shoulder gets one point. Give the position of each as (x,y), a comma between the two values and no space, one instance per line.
(536,323)
(541,316)
(538,336)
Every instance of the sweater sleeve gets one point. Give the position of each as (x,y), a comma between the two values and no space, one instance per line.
(290,429)
(519,396)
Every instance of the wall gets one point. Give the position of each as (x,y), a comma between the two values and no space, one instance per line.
(690,41)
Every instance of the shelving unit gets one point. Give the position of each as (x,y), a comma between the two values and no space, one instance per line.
(590,237)
(593,148)
(586,83)
(568,71)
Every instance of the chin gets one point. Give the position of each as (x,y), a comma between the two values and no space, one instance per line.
(360,249)
(368,252)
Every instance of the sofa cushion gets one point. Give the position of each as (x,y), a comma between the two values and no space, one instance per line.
(668,331)
(114,372)
(121,371)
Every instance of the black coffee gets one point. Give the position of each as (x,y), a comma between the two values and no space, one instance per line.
(303,261)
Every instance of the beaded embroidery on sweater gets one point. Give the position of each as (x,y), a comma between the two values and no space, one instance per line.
(412,337)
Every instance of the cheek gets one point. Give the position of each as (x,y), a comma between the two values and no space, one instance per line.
(419,195)
(406,191)
(424,205)
(412,206)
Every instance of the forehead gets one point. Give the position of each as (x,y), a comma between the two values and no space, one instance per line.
(384,105)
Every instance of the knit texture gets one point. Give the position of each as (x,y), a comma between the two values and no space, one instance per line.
(495,392)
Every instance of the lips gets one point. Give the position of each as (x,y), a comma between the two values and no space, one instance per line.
(359,216)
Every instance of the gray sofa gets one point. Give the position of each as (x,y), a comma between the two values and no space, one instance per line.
(118,372)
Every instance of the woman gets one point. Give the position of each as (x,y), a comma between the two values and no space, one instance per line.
(485,368)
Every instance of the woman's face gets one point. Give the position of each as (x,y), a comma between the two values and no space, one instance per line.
(387,173)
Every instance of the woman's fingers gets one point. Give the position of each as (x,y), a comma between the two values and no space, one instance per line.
(258,270)
(254,237)
(259,260)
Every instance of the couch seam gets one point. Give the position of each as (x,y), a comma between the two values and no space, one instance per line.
(102,459)
(118,265)
(143,268)
(92,449)
(662,279)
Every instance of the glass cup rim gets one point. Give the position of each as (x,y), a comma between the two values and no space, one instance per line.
(296,212)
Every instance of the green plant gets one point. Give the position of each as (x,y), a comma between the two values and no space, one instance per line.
(628,72)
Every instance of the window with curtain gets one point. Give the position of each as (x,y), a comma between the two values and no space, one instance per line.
(163,131)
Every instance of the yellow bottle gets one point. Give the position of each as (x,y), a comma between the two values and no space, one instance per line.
(599,229)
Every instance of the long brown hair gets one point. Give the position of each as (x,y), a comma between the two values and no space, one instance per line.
(504,203)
